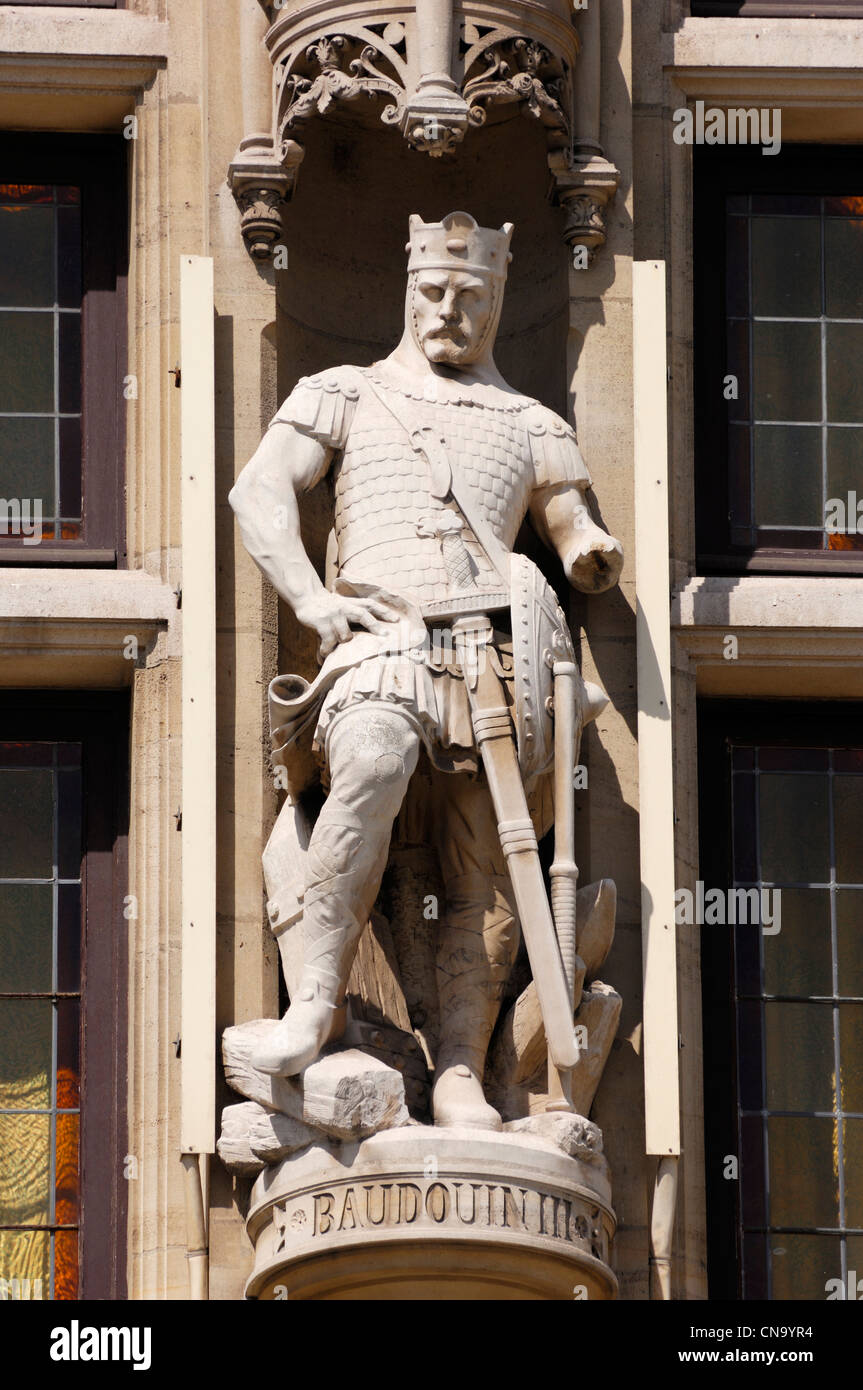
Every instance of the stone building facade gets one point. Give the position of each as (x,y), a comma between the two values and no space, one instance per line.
(163,182)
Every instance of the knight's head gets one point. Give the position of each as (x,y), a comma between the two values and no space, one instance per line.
(456,277)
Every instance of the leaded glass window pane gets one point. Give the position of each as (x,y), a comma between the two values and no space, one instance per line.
(40,994)
(799,1017)
(40,362)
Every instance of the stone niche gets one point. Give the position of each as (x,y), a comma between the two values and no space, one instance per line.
(341,297)
(354,1194)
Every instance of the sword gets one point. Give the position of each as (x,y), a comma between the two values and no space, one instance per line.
(494,733)
(495,738)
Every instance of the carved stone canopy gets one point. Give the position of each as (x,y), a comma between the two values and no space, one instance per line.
(435,70)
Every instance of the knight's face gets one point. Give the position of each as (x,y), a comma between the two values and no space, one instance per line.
(451,312)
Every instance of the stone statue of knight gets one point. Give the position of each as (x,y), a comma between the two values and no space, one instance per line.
(435,463)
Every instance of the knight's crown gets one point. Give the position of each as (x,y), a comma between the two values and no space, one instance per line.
(458,243)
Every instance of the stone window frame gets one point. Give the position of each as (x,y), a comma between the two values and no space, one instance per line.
(778,723)
(99,721)
(804,169)
(776,9)
(98,165)
(80,4)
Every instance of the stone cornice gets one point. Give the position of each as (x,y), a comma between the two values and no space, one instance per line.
(71,629)
(825,604)
(791,62)
(302,23)
(134,45)
(795,638)
(792,44)
(115,74)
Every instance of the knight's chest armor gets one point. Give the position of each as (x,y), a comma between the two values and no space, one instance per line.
(382,489)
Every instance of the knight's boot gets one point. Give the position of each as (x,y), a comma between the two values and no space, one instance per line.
(372,757)
(476,950)
(342,870)
(318,1012)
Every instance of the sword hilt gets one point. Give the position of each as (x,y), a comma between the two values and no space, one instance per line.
(447,527)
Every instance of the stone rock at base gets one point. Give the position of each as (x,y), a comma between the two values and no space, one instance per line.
(346,1095)
(351,1095)
(576,1136)
(233,1145)
(253,1137)
(600,1015)
(273,1137)
(596,908)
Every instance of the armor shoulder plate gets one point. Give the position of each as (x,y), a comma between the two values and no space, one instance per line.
(322,406)
(554,450)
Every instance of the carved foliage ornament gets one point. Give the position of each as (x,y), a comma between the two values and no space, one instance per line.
(366,64)
(400,71)
(339,69)
(519,70)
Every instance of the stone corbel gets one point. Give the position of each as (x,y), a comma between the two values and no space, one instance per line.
(260,176)
(261,183)
(585,186)
(435,116)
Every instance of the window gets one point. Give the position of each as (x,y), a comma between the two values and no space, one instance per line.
(62,279)
(782,806)
(779,332)
(62,986)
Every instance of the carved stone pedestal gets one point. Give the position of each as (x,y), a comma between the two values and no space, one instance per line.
(418,1213)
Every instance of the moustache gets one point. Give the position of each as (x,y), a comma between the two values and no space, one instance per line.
(446,331)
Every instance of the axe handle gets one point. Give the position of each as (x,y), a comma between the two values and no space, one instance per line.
(564,870)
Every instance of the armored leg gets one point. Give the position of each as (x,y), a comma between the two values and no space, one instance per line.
(477,944)
(371,752)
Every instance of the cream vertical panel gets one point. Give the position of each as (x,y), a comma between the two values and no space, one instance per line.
(198,1030)
(655,766)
